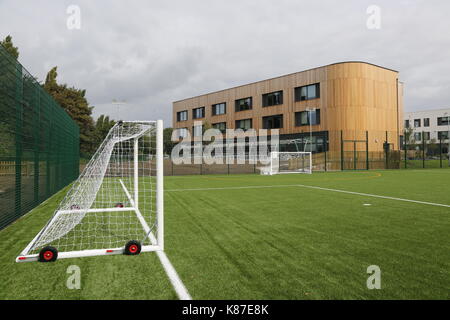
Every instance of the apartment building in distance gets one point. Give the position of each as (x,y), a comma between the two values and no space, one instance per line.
(429,125)
(347,100)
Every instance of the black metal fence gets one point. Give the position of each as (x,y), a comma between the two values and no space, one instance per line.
(39,142)
(425,154)
(341,151)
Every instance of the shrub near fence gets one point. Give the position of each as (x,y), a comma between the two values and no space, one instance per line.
(39,142)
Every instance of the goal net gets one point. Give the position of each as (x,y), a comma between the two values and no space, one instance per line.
(115,206)
(289,162)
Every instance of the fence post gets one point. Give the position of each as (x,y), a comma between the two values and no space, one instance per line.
(406,150)
(423,150)
(36,148)
(325,158)
(367,150)
(440,151)
(342,152)
(18,138)
(386,151)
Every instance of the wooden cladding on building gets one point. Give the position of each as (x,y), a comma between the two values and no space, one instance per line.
(353,97)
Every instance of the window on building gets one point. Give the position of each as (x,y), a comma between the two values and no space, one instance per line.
(182,133)
(218,109)
(303,118)
(418,136)
(443,121)
(442,135)
(197,130)
(182,115)
(222,126)
(417,123)
(273,122)
(426,122)
(426,136)
(307,92)
(244,124)
(272,99)
(244,104)
(406,124)
(198,113)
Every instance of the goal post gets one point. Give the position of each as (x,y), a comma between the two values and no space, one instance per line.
(116,204)
(289,162)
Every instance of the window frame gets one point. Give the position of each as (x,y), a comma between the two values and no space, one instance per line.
(316,121)
(214,125)
(418,136)
(184,129)
(194,128)
(179,115)
(441,133)
(266,118)
(238,121)
(299,96)
(266,96)
(194,116)
(443,121)
(237,106)
(214,106)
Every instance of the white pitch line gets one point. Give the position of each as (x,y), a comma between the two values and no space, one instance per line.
(377,196)
(318,188)
(175,280)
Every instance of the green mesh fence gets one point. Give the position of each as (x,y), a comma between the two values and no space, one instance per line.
(39,142)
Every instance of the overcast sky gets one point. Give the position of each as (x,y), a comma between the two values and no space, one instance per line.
(151,53)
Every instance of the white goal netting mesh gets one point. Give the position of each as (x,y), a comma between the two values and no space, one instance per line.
(290,162)
(99,211)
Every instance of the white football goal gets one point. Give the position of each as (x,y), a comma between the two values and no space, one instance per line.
(116,204)
(288,162)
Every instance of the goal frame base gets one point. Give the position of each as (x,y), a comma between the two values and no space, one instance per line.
(87,253)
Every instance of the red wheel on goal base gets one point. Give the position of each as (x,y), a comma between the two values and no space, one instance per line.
(48,254)
(132,248)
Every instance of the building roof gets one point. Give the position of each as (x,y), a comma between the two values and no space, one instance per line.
(285,75)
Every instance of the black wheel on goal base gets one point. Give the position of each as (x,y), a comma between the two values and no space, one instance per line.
(132,248)
(48,254)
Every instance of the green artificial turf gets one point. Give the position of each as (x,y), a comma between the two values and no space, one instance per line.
(275,241)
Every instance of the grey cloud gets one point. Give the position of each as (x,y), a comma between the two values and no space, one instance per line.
(151,53)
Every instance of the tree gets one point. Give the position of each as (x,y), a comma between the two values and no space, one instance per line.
(76,105)
(9,46)
(102,127)
(168,143)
